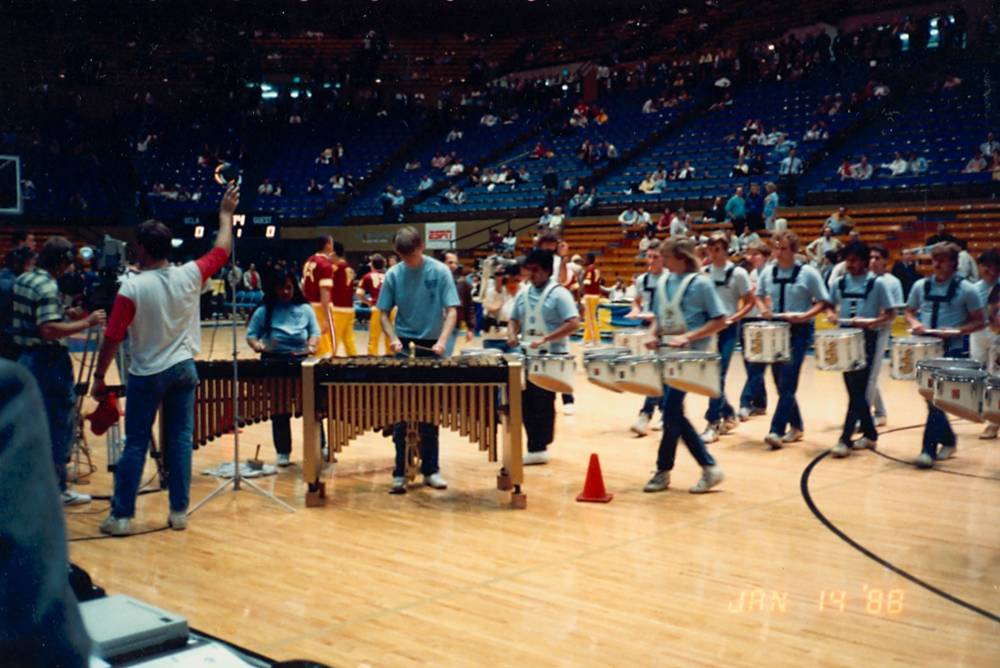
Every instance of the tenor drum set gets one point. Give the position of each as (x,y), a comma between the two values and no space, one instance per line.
(630,366)
(962,387)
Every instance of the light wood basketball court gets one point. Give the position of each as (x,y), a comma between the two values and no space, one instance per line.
(744,576)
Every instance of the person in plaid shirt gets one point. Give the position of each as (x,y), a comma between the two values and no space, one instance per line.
(40,330)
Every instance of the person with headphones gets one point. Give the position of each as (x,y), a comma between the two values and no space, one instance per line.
(40,330)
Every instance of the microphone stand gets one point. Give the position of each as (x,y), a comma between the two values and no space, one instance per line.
(237,481)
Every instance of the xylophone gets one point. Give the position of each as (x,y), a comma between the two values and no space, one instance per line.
(265,388)
(471,395)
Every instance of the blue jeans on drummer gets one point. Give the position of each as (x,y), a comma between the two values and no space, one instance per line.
(787,413)
(428,432)
(754,394)
(938,429)
(173,388)
(53,370)
(676,426)
(719,407)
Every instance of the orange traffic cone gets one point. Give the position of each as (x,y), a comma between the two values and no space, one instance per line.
(593,487)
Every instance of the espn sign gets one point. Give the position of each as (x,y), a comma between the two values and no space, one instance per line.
(439,236)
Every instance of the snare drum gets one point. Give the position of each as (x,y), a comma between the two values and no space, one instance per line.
(840,350)
(554,373)
(639,374)
(991,400)
(598,361)
(907,351)
(767,341)
(693,371)
(926,368)
(635,340)
(960,392)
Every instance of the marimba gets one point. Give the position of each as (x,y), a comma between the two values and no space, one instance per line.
(265,388)
(474,396)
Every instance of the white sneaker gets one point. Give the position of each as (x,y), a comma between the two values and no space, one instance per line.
(283,460)
(881,421)
(946,452)
(641,425)
(536,458)
(710,477)
(657,424)
(990,432)
(840,450)
(435,481)
(793,436)
(924,461)
(178,521)
(710,435)
(116,526)
(865,444)
(659,482)
(774,441)
(398,485)
(71,498)
(729,424)
(743,414)
(569,409)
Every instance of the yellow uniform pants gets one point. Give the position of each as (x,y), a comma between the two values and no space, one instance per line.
(343,327)
(591,332)
(375,333)
(327,344)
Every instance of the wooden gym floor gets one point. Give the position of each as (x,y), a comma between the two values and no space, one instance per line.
(747,575)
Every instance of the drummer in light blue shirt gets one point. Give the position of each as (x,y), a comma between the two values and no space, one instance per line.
(862,302)
(545,315)
(949,307)
(878,264)
(689,314)
(797,293)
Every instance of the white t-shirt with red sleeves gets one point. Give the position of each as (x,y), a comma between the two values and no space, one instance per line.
(161,310)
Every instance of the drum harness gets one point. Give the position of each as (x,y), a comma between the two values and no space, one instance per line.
(937,300)
(537,328)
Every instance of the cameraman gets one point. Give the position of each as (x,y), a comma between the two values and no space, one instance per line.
(40,330)
(159,308)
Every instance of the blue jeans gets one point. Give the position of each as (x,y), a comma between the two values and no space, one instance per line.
(174,389)
(754,394)
(856,382)
(53,370)
(719,407)
(650,405)
(786,413)
(938,430)
(676,426)
(428,432)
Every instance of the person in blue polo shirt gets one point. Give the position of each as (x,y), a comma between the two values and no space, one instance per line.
(947,306)
(422,290)
(863,302)
(796,293)
(689,314)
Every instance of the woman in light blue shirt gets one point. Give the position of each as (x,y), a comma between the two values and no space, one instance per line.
(283,329)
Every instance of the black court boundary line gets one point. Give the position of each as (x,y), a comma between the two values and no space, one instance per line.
(807,497)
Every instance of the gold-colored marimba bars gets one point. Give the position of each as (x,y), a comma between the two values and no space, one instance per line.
(471,395)
(264,388)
